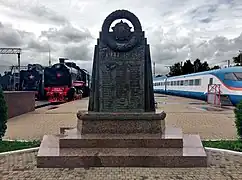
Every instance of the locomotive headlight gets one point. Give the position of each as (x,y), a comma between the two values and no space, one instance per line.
(58,75)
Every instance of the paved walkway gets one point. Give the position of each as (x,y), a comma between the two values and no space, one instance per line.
(189,114)
(23,167)
(195,116)
(186,113)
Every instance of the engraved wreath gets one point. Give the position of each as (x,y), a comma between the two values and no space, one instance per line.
(136,36)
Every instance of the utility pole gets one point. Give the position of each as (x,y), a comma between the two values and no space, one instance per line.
(228,63)
(49,56)
(240,54)
(154,69)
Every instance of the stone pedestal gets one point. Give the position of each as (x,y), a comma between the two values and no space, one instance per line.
(120,123)
(121,140)
(121,128)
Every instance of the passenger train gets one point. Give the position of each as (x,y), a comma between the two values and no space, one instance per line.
(196,85)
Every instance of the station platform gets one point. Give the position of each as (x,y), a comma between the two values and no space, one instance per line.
(193,116)
(39,104)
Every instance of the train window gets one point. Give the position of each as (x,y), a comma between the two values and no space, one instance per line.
(238,76)
(197,82)
(178,83)
(171,83)
(191,82)
(174,83)
(181,82)
(230,76)
(186,83)
(210,81)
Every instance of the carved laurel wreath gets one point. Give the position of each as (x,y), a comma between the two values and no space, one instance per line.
(136,36)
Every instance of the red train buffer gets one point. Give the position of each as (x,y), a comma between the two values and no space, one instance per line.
(57,94)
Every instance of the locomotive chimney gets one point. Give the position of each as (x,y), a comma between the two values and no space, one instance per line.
(62,60)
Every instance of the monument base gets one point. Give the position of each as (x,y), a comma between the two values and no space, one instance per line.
(99,142)
(120,123)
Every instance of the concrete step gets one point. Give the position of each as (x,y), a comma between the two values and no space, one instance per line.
(51,156)
(172,138)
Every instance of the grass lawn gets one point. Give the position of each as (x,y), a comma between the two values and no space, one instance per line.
(17,145)
(235,145)
(5,146)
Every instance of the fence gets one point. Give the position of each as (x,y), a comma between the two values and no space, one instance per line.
(214,94)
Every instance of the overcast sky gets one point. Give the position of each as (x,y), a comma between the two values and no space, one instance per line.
(176,29)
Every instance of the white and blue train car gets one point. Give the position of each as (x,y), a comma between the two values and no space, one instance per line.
(196,85)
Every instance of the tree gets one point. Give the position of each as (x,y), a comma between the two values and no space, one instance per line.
(176,70)
(3,115)
(197,65)
(237,60)
(238,119)
(215,67)
(188,67)
(205,66)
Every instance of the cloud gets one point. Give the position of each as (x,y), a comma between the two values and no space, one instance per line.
(79,51)
(9,36)
(44,13)
(67,34)
(176,30)
(66,41)
(33,10)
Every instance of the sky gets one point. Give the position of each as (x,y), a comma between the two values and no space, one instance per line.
(176,29)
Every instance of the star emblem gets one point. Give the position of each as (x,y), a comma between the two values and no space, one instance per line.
(121,31)
(31,76)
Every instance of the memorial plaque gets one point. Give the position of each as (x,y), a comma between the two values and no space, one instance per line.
(121,79)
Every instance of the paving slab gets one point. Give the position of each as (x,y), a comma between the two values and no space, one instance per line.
(22,166)
(185,113)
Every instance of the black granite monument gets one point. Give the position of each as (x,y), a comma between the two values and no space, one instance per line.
(122,76)
(121,127)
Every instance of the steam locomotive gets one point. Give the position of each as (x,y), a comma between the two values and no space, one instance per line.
(6,81)
(65,81)
(32,80)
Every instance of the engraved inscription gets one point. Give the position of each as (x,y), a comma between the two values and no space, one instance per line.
(122,80)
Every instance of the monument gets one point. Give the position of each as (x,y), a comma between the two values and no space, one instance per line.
(121,127)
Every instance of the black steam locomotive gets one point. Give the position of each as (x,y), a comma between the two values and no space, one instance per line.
(32,80)
(6,81)
(65,81)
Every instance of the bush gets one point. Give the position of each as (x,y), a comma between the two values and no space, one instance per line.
(234,145)
(6,146)
(3,115)
(238,119)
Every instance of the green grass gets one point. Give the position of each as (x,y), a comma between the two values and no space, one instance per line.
(17,145)
(5,146)
(235,145)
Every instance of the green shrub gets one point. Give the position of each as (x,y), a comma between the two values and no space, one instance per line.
(6,146)
(3,115)
(238,119)
(234,145)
